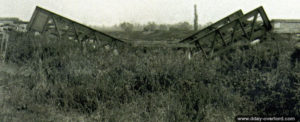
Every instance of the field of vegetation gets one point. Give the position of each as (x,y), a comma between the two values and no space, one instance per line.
(61,81)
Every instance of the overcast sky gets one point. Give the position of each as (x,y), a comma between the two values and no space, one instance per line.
(110,12)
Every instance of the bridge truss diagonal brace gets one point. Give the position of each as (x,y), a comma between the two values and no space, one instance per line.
(213,27)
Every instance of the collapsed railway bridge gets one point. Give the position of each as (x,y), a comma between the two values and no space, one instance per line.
(231,31)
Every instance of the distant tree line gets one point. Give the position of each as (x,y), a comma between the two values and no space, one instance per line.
(150,26)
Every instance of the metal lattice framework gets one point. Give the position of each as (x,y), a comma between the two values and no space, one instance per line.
(247,28)
(213,27)
(210,40)
(59,27)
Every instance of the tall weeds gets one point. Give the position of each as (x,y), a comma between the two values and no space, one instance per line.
(151,84)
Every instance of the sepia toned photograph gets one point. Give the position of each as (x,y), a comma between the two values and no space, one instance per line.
(149,60)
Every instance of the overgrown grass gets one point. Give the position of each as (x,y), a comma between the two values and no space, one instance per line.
(59,81)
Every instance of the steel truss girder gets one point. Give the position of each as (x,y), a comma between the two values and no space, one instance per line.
(213,27)
(249,27)
(47,22)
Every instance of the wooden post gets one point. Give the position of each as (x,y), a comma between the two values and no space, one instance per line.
(4,44)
